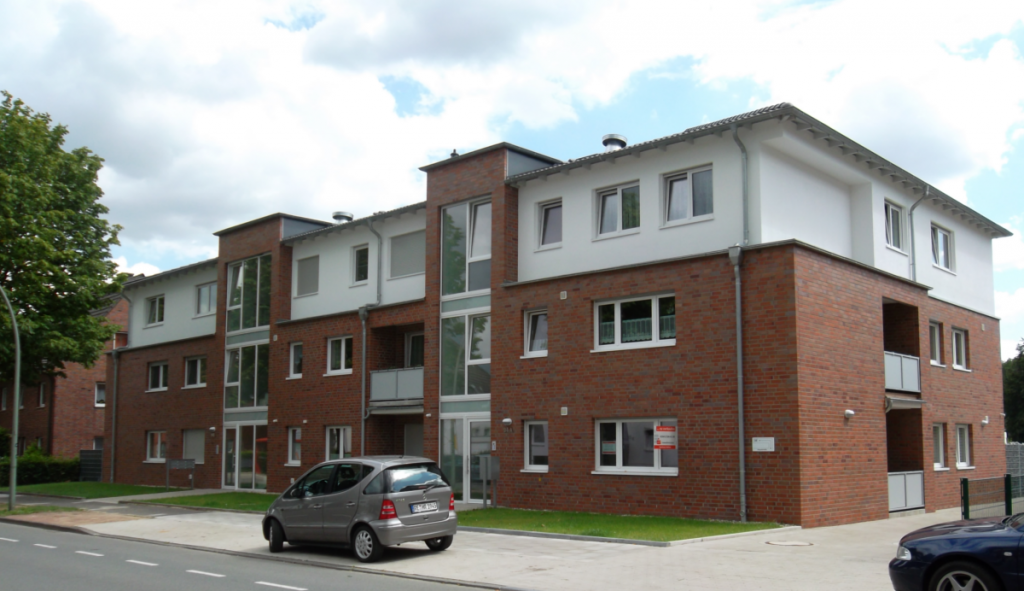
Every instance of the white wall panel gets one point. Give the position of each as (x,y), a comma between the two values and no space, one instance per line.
(180,319)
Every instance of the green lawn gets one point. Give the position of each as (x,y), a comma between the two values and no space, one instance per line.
(241,501)
(656,529)
(89,490)
(26,510)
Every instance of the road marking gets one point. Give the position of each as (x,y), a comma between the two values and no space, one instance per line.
(45,546)
(280,586)
(8,540)
(87,553)
(199,572)
(142,563)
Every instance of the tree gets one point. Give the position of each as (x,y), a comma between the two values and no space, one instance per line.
(1013,394)
(54,246)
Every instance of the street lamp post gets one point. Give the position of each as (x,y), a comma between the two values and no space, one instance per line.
(17,391)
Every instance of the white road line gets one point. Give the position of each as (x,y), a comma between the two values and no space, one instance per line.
(8,540)
(142,563)
(199,572)
(281,586)
(87,553)
(44,546)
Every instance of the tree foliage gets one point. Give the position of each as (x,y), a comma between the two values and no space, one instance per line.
(1013,394)
(54,246)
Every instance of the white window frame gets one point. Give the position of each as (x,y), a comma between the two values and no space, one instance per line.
(346,342)
(890,236)
(163,376)
(294,456)
(158,303)
(527,466)
(95,395)
(211,297)
(345,435)
(657,470)
(292,375)
(950,255)
(666,199)
(618,345)
(355,267)
(94,440)
(391,254)
(471,209)
(161,440)
(201,360)
(960,349)
(599,196)
(42,394)
(469,351)
(296,281)
(935,335)
(963,435)
(527,323)
(409,336)
(542,209)
(228,308)
(939,447)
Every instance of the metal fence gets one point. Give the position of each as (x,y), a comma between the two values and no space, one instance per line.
(986,497)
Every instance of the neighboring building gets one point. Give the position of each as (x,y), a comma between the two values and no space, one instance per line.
(578,320)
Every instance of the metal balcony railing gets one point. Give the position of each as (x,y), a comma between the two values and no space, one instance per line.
(902,372)
(396,384)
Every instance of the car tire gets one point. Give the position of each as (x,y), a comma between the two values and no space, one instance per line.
(275,535)
(365,545)
(439,544)
(961,575)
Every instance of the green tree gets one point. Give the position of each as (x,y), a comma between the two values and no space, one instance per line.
(1013,394)
(54,245)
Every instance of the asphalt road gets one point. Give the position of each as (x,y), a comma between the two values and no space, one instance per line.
(33,558)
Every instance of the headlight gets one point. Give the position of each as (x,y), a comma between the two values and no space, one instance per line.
(902,553)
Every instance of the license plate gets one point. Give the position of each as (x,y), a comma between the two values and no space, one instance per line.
(423,507)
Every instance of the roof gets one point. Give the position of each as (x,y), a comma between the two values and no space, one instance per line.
(804,123)
(267,218)
(505,145)
(355,223)
(144,280)
(109,302)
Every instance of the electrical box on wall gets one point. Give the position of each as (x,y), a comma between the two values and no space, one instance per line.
(565,411)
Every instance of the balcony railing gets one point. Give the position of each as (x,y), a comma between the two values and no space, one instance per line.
(396,384)
(902,372)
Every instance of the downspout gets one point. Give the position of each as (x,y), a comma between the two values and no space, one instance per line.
(364,314)
(113,394)
(736,257)
(746,190)
(913,243)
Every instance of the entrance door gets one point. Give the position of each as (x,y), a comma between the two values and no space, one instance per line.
(245,457)
(479,446)
(414,439)
(463,443)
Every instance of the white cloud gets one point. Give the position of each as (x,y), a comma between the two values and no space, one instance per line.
(135,269)
(1010,306)
(1008,349)
(1008,253)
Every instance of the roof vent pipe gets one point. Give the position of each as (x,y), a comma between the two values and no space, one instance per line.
(341,217)
(613,142)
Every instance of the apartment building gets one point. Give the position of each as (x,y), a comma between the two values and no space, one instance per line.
(755,317)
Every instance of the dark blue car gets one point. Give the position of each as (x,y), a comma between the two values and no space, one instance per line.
(972,555)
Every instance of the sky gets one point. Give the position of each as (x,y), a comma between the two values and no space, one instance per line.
(210,113)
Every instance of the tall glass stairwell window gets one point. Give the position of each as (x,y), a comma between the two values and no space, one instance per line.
(249,294)
(466,248)
(466,355)
(246,377)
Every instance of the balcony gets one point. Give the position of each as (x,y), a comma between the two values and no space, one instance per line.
(902,372)
(396,384)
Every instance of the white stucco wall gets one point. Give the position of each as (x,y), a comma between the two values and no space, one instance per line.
(180,319)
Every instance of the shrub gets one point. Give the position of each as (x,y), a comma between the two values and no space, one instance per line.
(39,469)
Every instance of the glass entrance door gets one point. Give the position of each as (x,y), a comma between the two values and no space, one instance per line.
(245,457)
(479,446)
(463,443)
(452,451)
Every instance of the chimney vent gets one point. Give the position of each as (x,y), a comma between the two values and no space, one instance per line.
(613,142)
(341,217)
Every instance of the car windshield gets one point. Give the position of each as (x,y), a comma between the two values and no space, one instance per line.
(415,477)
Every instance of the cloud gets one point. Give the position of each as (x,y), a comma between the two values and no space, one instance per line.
(1008,349)
(1008,253)
(136,269)
(1010,306)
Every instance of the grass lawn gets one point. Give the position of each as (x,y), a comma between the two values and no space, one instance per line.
(656,529)
(26,510)
(242,501)
(88,490)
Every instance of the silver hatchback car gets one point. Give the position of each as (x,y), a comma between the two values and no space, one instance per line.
(367,503)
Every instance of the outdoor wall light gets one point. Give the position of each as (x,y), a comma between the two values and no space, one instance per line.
(848,414)
(507,423)
(984,421)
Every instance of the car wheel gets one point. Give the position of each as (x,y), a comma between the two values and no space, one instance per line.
(276,536)
(963,575)
(439,544)
(366,545)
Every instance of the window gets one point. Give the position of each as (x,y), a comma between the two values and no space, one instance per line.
(42,395)
(294,446)
(466,355)
(249,293)
(466,248)
(100,395)
(637,445)
(360,265)
(939,445)
(195,372)
(339,355)
(935,342)
(414,349)
(246,377)
(315,484)
(960,358)
(536,334)
(194,445)
(630,324)
(551,223)
(157,376)
(156,446)
(942,248)
(206,299)
(894,225)
(97,443)
(963,446)
(409,254)
(688,196)
(536,445)
(155,309)
(295,361)
(308,276)
(618,210)
(339,443)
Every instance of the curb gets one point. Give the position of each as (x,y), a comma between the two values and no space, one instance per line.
(200,509)
(21,494)
(576,538)
(63,528)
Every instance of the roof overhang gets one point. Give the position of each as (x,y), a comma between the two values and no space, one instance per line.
(147,280)
(334,228)
(896,402)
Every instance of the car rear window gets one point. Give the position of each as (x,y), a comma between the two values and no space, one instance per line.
(413,477)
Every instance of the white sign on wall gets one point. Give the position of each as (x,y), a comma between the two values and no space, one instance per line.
(764,444)
(665,437)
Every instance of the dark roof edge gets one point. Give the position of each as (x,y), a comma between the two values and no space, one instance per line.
(267,218)
(347,312)
(168,274)
(130,349)
(499,145)
(357,222)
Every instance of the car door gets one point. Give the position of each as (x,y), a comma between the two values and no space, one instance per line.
(341,504)
(302,510)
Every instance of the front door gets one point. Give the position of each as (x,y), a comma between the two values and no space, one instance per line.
(245,457)
(479,446)
(463,443)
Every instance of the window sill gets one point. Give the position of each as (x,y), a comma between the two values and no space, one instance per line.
(618,234)
(154,325)
(899,250)
(207,315)
(94,406)
(405,276)
(686,222)
(552,246)
(155,462)
(538,355)
(652,345)
(338,373)
(635,473)
(963,369)
(193,387)
(360,284)
(937,364)
(966,467)
(942,468)
(292,465)
(534,471)
(304,295)
(950,271)
(157,390)
(295,377)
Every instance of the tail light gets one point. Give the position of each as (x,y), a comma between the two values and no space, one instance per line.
(387,510)
(451,502)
